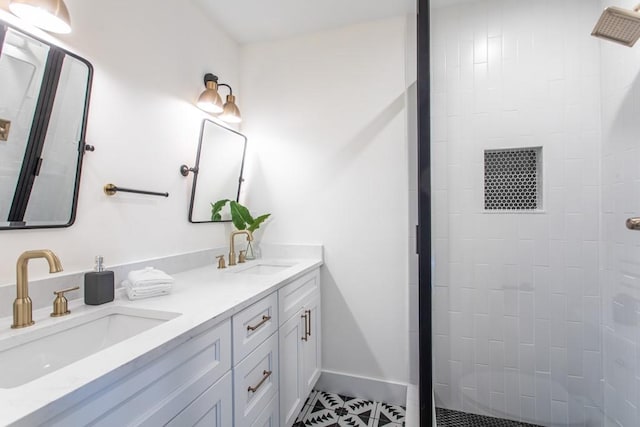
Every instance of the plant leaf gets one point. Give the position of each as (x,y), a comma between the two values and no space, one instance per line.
(256,223)
(216,208)
(239,215)
(245,213)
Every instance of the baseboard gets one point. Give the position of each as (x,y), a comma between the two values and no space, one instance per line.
(412,418)
(363,387)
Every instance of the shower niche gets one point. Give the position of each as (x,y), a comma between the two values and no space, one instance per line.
(513,179)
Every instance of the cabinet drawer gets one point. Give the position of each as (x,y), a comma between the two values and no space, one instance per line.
(157,391)
(253,325)
(255,382)
(270,417)
(292,296)
(213,408)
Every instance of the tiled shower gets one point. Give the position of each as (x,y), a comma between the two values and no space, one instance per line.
(537,304)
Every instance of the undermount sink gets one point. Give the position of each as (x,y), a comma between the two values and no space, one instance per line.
(263,268)
(33,354)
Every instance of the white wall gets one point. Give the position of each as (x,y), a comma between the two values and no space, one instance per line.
(149,63)
(516,298)
(620,255)
(411,73)
(325,118)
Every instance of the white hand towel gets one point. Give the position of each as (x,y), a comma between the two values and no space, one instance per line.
(149,291)
(149,276)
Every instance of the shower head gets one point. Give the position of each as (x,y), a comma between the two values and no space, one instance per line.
(619,25)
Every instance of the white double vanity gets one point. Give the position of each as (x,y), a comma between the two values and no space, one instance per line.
(239,346)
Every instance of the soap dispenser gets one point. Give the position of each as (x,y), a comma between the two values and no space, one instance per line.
(98,285)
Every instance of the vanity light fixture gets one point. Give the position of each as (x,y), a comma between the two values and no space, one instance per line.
(211,102)
(230,111)
(50,15)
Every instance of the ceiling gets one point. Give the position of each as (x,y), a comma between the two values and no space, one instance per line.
(249,21)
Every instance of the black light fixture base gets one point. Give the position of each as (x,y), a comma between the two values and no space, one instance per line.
(210,78)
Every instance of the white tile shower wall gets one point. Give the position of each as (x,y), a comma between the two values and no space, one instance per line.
(516,299)
(620,248)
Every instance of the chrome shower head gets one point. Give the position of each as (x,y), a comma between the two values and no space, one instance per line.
(619,25)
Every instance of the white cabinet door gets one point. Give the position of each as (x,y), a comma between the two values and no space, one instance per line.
(291,384)
(270,416)
(311,348)
(213,408)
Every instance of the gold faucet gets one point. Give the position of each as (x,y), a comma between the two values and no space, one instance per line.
(22,308)
(232,250)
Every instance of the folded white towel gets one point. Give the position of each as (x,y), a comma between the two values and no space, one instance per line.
(149,276)
(149,291)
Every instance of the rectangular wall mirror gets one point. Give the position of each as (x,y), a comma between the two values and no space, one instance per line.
(219,166)
(44,100)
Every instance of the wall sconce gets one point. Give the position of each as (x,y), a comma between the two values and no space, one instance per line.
(50,15)
(211,102)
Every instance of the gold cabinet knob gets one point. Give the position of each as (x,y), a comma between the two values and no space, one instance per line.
(60,304)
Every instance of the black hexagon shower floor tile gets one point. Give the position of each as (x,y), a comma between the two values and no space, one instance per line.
(449,418)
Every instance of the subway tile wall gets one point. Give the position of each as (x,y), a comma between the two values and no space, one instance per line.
(620,250)
(517,302)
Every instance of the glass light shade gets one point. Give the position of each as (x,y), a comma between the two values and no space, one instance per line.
(210,100)
(50,15)
(231,112)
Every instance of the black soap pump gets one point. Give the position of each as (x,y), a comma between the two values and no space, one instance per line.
(98,285)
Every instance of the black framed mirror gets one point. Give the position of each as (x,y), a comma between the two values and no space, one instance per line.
(44,101)
(218,170)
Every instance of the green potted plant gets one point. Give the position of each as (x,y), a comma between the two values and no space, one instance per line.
(241,219)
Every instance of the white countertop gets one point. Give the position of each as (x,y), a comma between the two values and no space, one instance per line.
(203,297)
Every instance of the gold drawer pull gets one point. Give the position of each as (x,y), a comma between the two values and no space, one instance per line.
(309,313)
(264,320)
(266,374)
(306,330)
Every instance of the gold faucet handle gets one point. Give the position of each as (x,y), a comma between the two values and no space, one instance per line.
(60,304)
(221,261)
(242,257)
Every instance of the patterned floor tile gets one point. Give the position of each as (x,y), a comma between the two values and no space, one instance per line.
(330,410)
(323,418)
(386,424)
(353,420)
(363,407)
(323,400)
(387,414)
(303,413)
